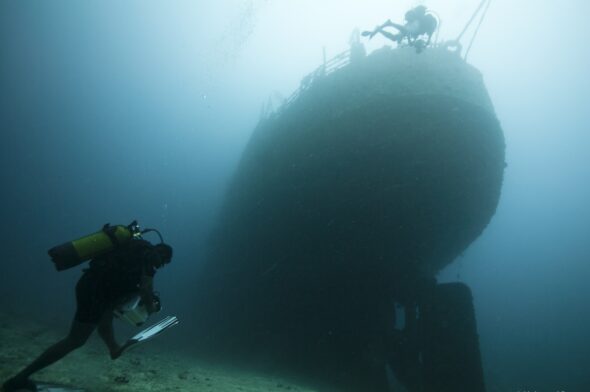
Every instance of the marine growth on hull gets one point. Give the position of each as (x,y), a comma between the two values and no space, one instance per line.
(372,177)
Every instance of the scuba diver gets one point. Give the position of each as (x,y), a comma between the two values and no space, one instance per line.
(126,270)
(417,31)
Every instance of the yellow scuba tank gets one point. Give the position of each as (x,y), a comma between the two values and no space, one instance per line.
(75,252)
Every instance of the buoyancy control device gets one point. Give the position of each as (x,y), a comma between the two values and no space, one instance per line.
(73,253)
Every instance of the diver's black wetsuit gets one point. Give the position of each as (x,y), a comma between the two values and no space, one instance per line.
(111,278)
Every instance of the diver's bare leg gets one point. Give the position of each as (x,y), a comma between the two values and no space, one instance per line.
(77,337)
(107,334)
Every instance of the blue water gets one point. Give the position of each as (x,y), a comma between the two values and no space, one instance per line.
(114,111)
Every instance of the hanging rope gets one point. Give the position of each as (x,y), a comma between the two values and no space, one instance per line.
(477,29)
(471,20)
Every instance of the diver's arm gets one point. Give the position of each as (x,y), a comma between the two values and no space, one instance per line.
(389,23)
(393,37)
(379,29)
(403,31)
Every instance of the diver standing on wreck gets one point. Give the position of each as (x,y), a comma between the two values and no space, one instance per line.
(419,23)
(125,267)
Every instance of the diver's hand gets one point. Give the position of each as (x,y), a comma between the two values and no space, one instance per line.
(153,306)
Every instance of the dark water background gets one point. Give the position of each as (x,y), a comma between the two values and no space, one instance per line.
(115,111)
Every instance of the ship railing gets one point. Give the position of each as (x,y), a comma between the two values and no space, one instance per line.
(337,62)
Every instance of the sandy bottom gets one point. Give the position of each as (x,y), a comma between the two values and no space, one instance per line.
(149,367)
(145,368)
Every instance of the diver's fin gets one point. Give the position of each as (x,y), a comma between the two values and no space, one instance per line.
(150,332)
(156,329)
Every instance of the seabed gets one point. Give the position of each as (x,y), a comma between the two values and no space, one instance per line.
(146,368)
